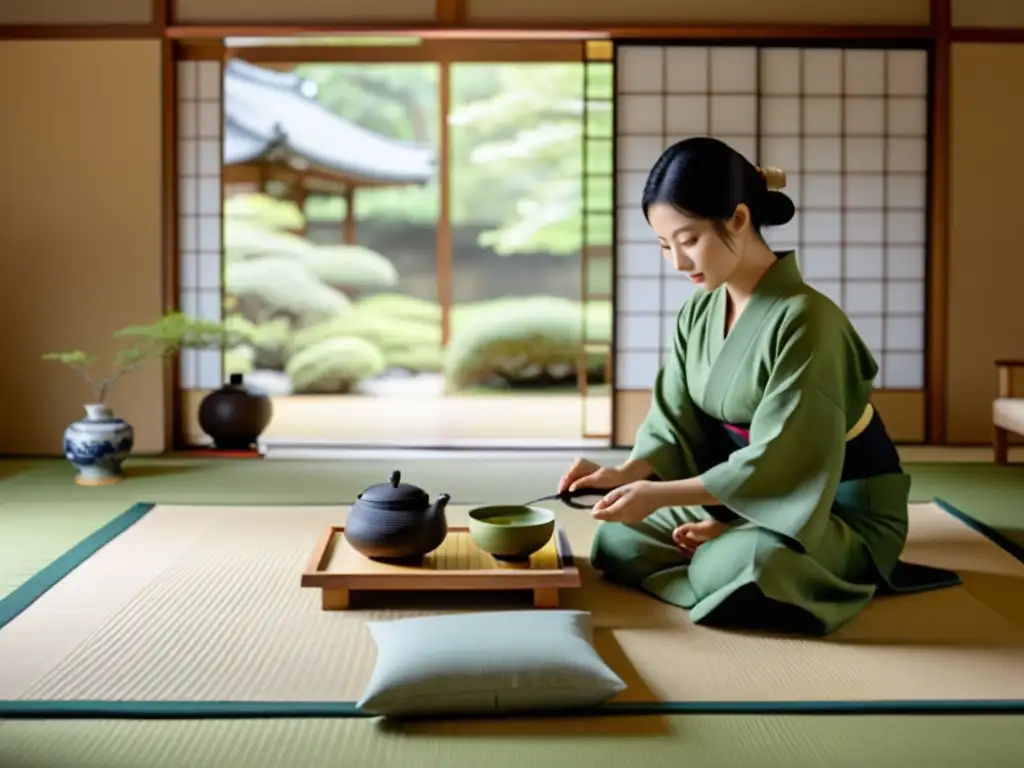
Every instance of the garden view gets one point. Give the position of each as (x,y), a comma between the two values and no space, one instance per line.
(319,309)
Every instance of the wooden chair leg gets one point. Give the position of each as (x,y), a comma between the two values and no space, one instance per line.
(1001,444)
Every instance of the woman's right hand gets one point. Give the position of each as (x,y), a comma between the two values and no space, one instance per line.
(587,474)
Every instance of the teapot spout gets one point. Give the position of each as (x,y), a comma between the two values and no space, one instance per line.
(437,508)
(435,514)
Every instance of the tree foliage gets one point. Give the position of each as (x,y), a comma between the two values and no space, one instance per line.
(517,146)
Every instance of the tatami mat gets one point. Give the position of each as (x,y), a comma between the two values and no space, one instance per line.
(203,604)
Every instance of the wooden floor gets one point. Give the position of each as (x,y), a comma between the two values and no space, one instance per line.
(354,419)
(980,454)
(525,420)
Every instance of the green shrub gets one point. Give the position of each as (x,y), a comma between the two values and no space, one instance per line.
(598,313)
(470,312)
(269,335)
(520,341)
(264,211)
(415,346)
(245,241)
(334,365)
(350,266)
(384,332)
(268,286)
(268,342)
(399,306)
(343,266)
(422,359)
(599,319)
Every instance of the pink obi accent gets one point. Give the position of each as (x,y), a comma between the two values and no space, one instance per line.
(744,433)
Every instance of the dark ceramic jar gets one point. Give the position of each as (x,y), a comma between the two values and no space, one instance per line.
(234,416)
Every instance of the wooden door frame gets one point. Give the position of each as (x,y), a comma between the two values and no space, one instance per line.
(443,53)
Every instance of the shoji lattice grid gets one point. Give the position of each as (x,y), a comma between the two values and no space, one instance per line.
(199,211)
(849,127)
(665,94)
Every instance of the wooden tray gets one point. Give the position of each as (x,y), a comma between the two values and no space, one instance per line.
(458,564)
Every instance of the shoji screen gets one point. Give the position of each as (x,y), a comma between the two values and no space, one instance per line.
(663,95)
(849,127)
(199,185)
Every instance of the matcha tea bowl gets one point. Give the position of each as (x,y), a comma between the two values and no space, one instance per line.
(511,531)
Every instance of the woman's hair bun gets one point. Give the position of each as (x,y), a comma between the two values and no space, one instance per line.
(778,209)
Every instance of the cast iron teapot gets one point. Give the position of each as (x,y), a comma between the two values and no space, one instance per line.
(395,520)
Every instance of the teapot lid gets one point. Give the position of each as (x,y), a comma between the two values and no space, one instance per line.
(395,493)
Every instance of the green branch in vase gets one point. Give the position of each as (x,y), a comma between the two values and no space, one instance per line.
(163,338)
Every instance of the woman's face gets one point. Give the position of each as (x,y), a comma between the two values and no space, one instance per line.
(693,246)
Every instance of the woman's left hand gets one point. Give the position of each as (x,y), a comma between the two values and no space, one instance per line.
(630,503)
(689,536)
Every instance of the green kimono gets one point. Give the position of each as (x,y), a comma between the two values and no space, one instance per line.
(805,550)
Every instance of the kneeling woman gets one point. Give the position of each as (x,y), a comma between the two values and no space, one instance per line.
(762,489)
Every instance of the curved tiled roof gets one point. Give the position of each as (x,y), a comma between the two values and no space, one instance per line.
(268,115)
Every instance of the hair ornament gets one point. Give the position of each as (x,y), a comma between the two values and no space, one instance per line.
(774,178)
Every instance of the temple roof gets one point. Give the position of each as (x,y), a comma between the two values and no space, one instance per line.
(271,115)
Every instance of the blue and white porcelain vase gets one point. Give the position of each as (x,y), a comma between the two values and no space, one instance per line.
(97,446)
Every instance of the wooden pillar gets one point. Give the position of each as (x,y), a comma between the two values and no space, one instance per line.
(451,13)
(173,420)
(938,255)
(443,241)
(301,195)
(348,233)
